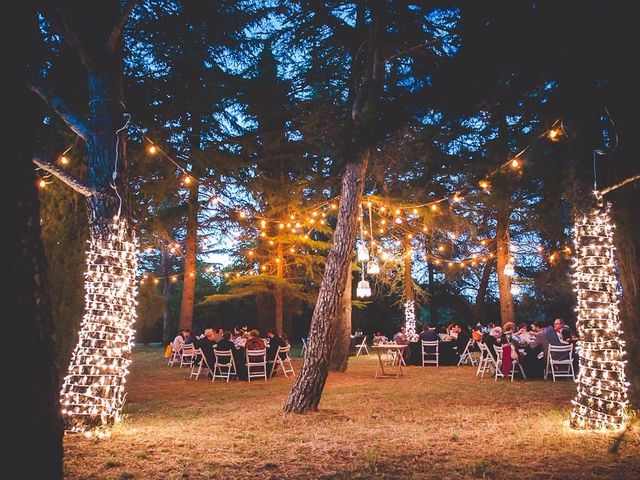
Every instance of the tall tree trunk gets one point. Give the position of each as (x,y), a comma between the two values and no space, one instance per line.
(342,345)
(191,248)
(482,290)
(433,306)
(277,291)
(408,289)
(166,291)
(507,313)
(32,413)
(307,388)
(94,389)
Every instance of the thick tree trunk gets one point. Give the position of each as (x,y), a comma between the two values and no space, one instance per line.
(482,290)
(342,345)
(191,247)
(32,413)
(277,291)
(408,285)
(167,333)
(507,312)
(307,388)
(94,389)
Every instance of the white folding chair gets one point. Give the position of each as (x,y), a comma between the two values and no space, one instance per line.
(175,356)
(201,364)
(283,364)
(187,355)
(256,361)
(514,364)
(304,346)
(560,356)
(487,362)
(426,354)
(362,345)
(497,365)
(467,355)
(225,366)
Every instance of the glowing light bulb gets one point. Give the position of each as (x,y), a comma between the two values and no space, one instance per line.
(64,160)
(42,183)
(152,149)
(515,163)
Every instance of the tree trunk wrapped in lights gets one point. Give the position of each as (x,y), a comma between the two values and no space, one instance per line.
(602,389)
(94,389)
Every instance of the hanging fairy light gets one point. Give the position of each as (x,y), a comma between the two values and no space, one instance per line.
(93,391)
(601,401)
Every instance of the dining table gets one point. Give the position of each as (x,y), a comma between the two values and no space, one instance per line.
(393,370)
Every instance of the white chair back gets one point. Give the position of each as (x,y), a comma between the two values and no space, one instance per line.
(559,362)
(283,364)
(362,346)
(256,364)
(430,352)
(225,365)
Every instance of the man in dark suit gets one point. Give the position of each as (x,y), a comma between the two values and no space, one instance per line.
(275,341)
(429,333)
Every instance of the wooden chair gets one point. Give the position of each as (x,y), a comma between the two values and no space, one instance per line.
(225,365)
(283,364)
(427,354)
(256,361)
(560,356)
(362,345)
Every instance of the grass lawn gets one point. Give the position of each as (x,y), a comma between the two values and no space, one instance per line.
(436,423)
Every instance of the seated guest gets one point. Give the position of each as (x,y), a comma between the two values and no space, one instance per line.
(188,338)
(461,336)
(429,333)
(225,343)
(567,336)
(254,342)
(522,336)
(206,344)
(493,338)
(275,341)
(551,335)
(177,343)
(379,338)
(218,333)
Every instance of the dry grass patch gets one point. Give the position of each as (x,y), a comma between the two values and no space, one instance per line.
(437,423)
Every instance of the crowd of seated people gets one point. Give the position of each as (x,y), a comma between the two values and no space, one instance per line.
(238,342)
(529,343)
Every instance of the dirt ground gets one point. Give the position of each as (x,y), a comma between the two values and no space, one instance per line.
(435,423)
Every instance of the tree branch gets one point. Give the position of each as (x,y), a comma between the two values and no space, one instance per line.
(58,105)
(618,185)
(116,33)
(65,177)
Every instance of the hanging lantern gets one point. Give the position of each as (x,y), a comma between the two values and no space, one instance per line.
(363,290)
(515,289)
(363,253)
(373,268)
(509,270)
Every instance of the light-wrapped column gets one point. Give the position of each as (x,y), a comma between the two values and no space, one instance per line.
(93,392)
(410,320)
(602,389)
